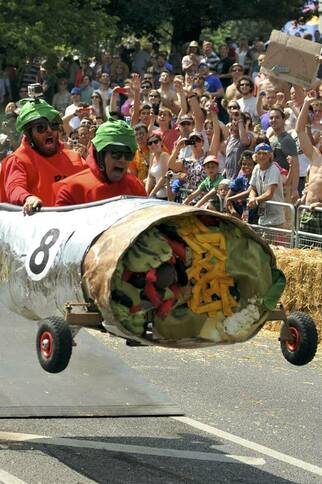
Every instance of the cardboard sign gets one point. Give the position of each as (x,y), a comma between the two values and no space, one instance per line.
(291,59)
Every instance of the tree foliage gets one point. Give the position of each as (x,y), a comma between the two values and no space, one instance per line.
(41,27)
(188,18)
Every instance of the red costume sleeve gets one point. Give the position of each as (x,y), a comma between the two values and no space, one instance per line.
(15,181)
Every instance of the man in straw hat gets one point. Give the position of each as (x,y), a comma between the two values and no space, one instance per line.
(27,175)
(109,157)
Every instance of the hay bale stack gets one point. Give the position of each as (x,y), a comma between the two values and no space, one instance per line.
(303,292)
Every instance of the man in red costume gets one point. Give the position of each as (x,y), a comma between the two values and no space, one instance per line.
(110,153)
(28,174)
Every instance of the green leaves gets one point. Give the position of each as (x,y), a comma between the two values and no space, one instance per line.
(188,18)
(37,28)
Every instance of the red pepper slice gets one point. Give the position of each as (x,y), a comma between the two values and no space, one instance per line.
(151,275)
(165,308)
(178,248)
(150,290)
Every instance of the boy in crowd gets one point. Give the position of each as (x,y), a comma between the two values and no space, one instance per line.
(209,185)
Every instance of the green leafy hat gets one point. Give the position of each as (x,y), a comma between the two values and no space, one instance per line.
(34,109)
(115,132)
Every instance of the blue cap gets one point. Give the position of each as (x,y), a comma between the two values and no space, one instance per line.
(75,90)
(263,147)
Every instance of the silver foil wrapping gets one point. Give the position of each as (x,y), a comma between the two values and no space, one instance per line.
(41,255)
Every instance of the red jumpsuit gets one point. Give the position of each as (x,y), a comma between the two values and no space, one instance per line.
(26,172)
(90,186)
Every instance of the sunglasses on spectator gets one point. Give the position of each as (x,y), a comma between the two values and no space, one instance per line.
(154,141)
(244,84)
(146,86)
(41,128)
(233,107)
(118,155)
(186,123)
(154,95)
(195,139)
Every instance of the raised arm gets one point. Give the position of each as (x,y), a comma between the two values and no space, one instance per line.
(114,97)
(136,86)
(304,139)
(243,132)
(215,139)
(193,103)
(173,163)
(178,86)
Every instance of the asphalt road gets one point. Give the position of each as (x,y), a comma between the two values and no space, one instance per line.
(250,417)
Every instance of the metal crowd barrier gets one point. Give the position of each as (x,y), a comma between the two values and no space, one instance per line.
(307,239)
(280,236)
(290,235)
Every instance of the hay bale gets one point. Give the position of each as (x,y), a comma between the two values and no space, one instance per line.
(303,292)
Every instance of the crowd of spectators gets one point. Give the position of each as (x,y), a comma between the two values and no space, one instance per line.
(212,128)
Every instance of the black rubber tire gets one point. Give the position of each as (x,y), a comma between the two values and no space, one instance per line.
(58,333)
(303,350)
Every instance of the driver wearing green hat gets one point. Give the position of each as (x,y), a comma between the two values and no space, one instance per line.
(28,174)
(110,153)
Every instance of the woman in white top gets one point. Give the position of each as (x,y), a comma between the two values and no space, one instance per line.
(156,180)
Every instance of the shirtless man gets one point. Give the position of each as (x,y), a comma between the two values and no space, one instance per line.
(167,92)
(311,220)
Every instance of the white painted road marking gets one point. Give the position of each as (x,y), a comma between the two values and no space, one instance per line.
(6,478)
(131,449)
(251,445)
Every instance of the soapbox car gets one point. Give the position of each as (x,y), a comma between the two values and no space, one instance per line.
(149,271)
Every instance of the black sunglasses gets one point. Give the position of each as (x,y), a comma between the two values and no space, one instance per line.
(41,128)
(118,155)
(186,123)
(155,142)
